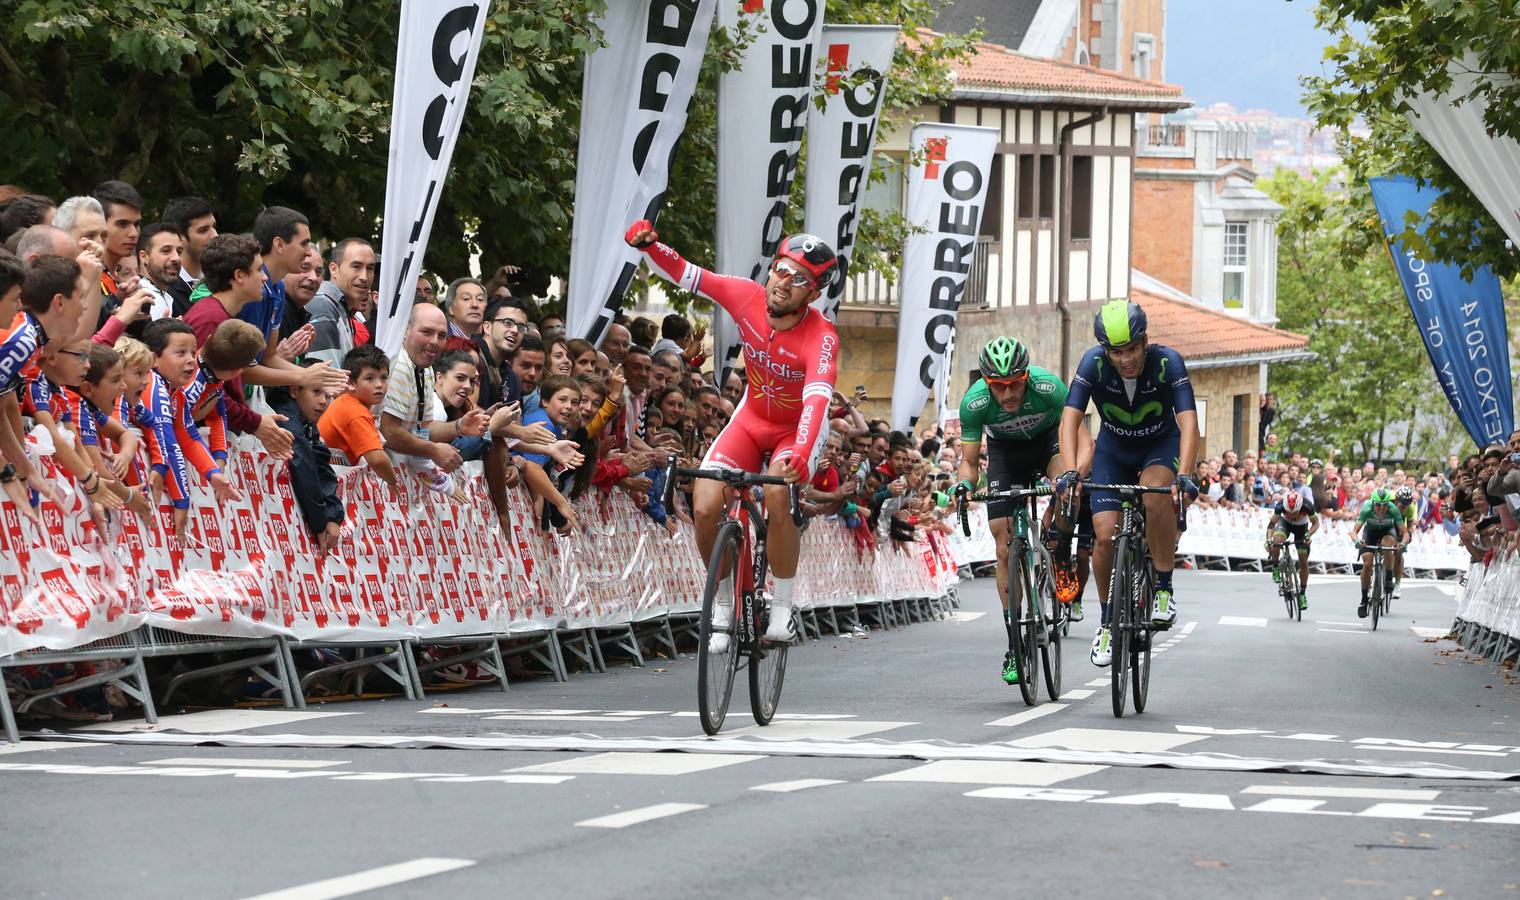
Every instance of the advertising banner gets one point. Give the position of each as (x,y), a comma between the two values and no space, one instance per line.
(1460,321)
(762,111)
(435,63)
(946,191)
(842,136)
(634,102)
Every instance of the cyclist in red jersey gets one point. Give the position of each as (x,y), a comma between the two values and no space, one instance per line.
(790,353)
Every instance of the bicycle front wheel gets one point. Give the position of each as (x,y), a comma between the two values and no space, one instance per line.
(1120,615)
(1378,575)
(1140,647)
(715,671)
(1026,647)
(1287,571)
(767,667)
(1050,627)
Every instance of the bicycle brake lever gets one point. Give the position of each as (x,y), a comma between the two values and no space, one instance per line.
(796,498)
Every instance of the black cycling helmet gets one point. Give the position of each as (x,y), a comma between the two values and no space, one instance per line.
(1119,322)
(1404,494)
(815,257)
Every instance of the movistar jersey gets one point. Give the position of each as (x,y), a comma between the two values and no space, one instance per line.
(1372,520)
(1044,398)
(1142,410)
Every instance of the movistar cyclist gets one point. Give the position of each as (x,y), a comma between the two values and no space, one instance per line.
(1017,407)
(1293,515)
(1403,498)
(1379,522)
(1148,436)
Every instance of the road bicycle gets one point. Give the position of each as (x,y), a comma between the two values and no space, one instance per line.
(1381,596)
(1287,574)
(739,548)
(1131,595)
(1040,616)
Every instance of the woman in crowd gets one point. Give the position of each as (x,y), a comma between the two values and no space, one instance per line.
(558,361)
(456,385)
(582,357)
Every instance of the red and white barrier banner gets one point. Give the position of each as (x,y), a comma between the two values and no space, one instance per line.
(946,190)
(436,48)
(634,99)
(855,60)
(1491,596)
(409,564)
(762,112)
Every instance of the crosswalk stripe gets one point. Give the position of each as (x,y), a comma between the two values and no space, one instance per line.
(1028,715)
(636,816)
(801,784)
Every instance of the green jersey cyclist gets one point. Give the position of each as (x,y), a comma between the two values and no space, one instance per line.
(1148,435)
(1017,408)
(1379,522)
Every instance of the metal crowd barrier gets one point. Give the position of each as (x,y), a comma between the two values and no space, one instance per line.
(1488,611)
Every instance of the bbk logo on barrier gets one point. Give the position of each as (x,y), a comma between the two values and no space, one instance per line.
(956,225)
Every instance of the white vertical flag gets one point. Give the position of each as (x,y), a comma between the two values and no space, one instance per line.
(634,102)
(436,51)
(946,192)
(841,137)
(762,111)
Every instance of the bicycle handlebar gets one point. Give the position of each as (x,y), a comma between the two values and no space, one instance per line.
(1134,490)
(1039,490)
(733,479)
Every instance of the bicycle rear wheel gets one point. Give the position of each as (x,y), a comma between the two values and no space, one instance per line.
(1025,646)
(1050,632)
(1119,617)
(1377,588)
(1287,571)
(767,665)
(1140,648)
(715,671)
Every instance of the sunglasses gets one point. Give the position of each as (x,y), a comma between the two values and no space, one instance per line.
(1011,380)
(797,277)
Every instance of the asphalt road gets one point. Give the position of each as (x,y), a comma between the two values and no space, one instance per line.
(901,767)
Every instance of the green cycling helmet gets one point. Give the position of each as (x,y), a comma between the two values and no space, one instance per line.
(1381,497)
(1002,357)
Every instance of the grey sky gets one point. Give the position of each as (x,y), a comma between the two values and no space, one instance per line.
(1246,52)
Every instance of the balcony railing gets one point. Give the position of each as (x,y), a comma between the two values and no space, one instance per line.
(873,289)
(1166,135)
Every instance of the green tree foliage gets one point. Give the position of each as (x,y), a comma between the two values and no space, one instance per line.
(1409,47)
(258,102)
(1370,367)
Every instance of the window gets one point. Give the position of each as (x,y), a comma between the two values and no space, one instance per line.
(1145,51)
(885,196)
(1202,406)
(1081,198)
(992,209)
(1236,259)
(1026,186)
(1047,185)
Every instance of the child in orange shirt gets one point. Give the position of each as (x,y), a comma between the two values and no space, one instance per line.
(349,423)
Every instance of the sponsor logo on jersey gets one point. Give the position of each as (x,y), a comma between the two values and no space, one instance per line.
(1123,416)
(979,402)
(1019,424)
(1044,387)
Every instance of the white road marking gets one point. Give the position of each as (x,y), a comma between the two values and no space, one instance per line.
(801,784)
(33,746)
(639,764)
(518,717)
(1028,715)
(1328,622)
(962,616)
(1106,739)
(1249,621)
(644,814)
(1346,630)
(216,721)
(1430,750)
(811,717)
(223,762)
(1105,681)
(1428,812)
(819,730)
(1429,632)
(1188,628)
(1082,694)
(984,771)
(368,880)
(1304,790)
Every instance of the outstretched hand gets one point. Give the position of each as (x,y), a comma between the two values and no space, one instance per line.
(641,234)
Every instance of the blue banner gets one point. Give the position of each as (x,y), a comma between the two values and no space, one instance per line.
(1460,321)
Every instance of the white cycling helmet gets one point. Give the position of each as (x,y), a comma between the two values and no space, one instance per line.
(1293,501)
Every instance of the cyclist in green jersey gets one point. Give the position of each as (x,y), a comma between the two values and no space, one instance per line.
(1379,522)
(1403,499)
(1017,408)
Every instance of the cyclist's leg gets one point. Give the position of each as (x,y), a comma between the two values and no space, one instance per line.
(1001,471)
(1301,539)
(1084,548)
(1275,539)
(783,540)
(1111,465)
(735,450)
(1161,524)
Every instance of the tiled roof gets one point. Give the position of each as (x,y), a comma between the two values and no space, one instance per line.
(1198,332)
(998,68)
